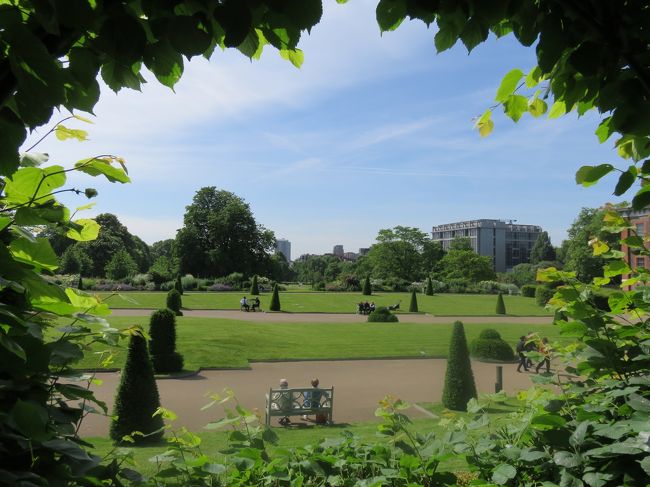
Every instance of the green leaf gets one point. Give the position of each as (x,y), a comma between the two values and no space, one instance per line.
(103,165)
(30,419)
(296,56)
(573,328)
(473,33)
(390,14)
(641,198)
(4,222)
(65,133)
(625,181)
(188,35)
(616,268)
(36,253)
(589,175)
(503,473)
(549,420)
(484,124)
(515,106)
(557,110)
(567,459)
(537,107)
(533,77)
(164,62)
(33,183)
(41,215)
(83,230)
(603,132)
(639,403)
(11,346)
(33,159)
(86,302)
(508,85)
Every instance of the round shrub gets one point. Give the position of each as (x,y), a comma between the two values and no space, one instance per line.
(490,334)
(543,294)
(174,302)
(528,290)
(382,315)
(492,349)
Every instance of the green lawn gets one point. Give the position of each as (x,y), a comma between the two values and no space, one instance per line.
(211,342)
(212,442)
(320,302)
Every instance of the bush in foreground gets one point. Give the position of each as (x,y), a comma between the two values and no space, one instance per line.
(459,378)
(275,299)
(162,343)
(382,315)
(490,346)
(137,397)
(175,302)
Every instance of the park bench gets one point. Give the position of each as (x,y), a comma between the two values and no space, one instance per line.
(251,306)
(299,402)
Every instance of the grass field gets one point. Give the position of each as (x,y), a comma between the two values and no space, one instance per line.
(212,442)
(320,302)
(212,342)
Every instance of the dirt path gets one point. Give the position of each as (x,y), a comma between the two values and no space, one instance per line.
(358,386)
(336,317)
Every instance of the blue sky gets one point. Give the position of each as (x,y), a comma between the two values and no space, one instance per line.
(372,132)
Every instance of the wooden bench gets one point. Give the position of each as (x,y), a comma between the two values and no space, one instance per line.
(298,402)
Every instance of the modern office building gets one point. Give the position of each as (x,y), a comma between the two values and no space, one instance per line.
(284,247)
(507,243)
(338,250)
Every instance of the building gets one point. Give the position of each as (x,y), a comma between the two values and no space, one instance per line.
(338,250)
(284,247)
(351,256)
(364,250)
(507,243)
(640,221)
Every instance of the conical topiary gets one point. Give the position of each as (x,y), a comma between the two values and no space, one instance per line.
(413,307)
(459,379)
(501,306)
(178,285)
(429,289)
(175,302)
(275,299)
(137,397)
(255,290)
(80,284)
(367,288)
(162,343)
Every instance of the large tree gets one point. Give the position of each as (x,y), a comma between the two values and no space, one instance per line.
(542,249)
(467,264)
(220,236)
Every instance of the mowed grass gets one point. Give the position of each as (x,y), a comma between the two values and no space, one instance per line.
(221,343)
(213,442)
(320,302)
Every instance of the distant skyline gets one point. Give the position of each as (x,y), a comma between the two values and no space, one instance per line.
(372,132)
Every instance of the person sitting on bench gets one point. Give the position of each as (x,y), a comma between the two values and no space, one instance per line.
(256,304)
(244,304)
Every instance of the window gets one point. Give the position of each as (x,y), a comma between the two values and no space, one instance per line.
(640,229)
(640,262)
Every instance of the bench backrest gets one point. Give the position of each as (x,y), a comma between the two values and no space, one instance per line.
(300,399)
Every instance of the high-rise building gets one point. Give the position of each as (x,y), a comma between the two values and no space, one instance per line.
(284,247)
(364,250)
(338,250)
(507,243)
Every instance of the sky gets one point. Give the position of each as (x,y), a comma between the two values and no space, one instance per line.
(373,131)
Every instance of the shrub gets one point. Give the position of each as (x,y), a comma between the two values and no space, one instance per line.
(489,287)
(382,315)
(137,397)
(351,283)
(174,302)
(457,285)
(168,286)
(367,289)
(80,283)
(318,285)
(396,284)
(429,287)
(511,289)
(178,284)
(275,299)
(438,286)
(501,306)
(489,334)
(189,282)
(255,290)
(140,280)
(120,266)
(162,343)
(150,286)
(219,286)
(413,306)
(490,346)
(543,294)
(459,379)
(528,290)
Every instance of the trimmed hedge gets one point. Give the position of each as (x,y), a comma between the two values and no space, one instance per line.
(459,378)
(528,290)
(255,289)
(543,294)
(489,334)
(137,397)
(429,288)
(275,299)
(413,306)
(174,302)
(492,350)
(501,306)
(367,288)
(162,343)
(382,315)
(178,284)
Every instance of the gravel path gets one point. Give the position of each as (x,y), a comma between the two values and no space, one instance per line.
(336,317)
(358,386)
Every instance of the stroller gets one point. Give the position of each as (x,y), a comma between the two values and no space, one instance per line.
(394,307)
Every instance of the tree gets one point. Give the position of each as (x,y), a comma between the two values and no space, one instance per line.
(542,249)
(467,264)
(220,236)
(459,378)
(367,288)
(429,287)
(523,274)
(413,305)
(501,306)
(175,302)
(120,266)
(275,299)
(162,343)
(137,397)
(161,271)
(255,290)
(75,261)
